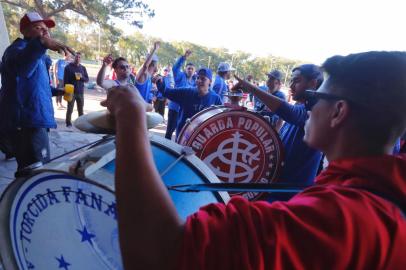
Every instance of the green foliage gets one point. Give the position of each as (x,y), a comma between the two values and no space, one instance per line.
(98,11)
(80,28)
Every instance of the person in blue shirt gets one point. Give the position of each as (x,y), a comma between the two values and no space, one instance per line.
(26,111)
(220,86)
(301,161)
(182,79)
(273,86)
(59,69)
(143,79)
(191,100)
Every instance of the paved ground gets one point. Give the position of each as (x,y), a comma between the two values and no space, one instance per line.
(63,139)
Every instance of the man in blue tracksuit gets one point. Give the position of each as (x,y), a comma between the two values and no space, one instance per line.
(191,100)
(26,111)
(183,79)
(301,161)
(223,73)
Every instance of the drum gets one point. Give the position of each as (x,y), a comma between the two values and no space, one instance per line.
(238,145)
(64,216)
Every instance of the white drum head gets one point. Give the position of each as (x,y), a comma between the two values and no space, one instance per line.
(55,221)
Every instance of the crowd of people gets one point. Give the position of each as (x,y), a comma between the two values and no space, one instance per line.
(352,215)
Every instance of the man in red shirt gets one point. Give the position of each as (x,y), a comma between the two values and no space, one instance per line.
(352,218)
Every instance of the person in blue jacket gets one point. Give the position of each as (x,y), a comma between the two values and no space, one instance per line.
(223,73)
(143,79)
(301,161)
(182,79)
(191,100)
(26,111)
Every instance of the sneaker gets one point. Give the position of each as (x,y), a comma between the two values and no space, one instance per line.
(69,125)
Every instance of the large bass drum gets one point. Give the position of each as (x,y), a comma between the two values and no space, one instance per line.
(238,145)
(64,215)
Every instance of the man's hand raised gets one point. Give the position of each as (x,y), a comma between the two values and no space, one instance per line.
(157,44)
(243,85)
(56,46)
(188,53)
(108,60)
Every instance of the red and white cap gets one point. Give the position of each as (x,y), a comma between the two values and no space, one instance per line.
(33,17)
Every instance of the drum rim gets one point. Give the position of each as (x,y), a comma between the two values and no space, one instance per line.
(198,114)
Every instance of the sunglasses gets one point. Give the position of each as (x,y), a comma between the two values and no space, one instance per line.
(312,97)
(123,66)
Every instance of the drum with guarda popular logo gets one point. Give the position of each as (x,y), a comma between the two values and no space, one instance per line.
(64,215)
(238,145)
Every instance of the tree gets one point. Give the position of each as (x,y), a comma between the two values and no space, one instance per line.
(97,11)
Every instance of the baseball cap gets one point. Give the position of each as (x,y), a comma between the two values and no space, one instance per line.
(33,17)
(223,66)
(310,71)
(205,72)
(276,74)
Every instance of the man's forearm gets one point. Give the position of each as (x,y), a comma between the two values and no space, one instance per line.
(269,100)
(148,221)
(101,75)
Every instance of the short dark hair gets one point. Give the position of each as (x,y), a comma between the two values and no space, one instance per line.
(311,72)
(190,64)
(118,59)
(377,82)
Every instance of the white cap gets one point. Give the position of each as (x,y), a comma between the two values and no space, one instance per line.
(223,66)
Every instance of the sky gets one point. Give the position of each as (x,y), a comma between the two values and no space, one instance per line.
(308,30)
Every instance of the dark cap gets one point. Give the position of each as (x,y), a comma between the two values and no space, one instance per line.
(275,74)
(33,17)
(310,72)
(205,72)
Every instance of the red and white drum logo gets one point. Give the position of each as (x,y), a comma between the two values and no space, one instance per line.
(238,146)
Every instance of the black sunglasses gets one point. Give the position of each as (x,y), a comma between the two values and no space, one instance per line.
(312,97)
(123,66)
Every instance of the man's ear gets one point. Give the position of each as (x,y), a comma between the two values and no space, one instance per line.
(340,113)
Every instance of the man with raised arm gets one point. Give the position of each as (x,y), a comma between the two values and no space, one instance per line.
(352,218)
(191,100)
(301,161)
(183,79)
(273,86)
(143,79)
(120,67)
(123,73)
(26,110)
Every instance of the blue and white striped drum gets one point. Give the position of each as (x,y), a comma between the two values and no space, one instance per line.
(64,215)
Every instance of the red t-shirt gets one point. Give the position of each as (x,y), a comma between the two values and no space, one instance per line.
(335,224)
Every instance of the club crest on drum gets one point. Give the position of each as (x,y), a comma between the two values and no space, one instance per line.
(229,123)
